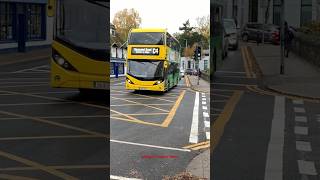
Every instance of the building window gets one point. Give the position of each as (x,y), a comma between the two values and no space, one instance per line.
(120,68)
(276,12)
(6,21)
(306,12)
(253,10)
(35,21)
(205,64)
(111,68)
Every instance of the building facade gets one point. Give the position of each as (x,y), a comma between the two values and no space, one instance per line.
(297,12)
(24,21)
(118,60)
(189,63)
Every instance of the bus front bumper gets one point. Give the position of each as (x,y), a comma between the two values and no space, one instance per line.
(158,87)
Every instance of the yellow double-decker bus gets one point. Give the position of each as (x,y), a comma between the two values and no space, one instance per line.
(80,48)
(153,60)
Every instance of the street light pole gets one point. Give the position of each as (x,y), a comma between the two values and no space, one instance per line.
(282,38)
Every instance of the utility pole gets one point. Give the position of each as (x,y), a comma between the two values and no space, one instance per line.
(282,38)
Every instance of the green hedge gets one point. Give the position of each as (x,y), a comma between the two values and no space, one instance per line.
(307,46)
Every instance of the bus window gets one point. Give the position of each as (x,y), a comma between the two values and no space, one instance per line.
(146,38)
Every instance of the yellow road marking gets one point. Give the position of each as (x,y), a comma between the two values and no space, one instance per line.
(141,104)
(37,165)
(197,144)
(64,167)
(12,177)
(201,147)
(53,123)
(222,120)
(53,98)
(141,114)
(245,63)
(137,121)
(51,137)
(119,105)
(150,97)
(173,110)
(127,116)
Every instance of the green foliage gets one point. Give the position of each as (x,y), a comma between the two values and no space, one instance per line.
(192,36)
(311,28)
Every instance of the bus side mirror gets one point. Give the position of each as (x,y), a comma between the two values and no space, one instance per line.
(51,6)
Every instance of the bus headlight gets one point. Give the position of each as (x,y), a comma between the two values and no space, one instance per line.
(157,82)
(62,62)
(129,81)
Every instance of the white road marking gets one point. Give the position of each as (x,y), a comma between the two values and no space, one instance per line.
(203,94)
(208,135)
(204,99)
(303,146)
(306,167)
(301,130)
(297,101)
(204,107)
(112,177)
(23,70)
(205,114)
(195,121)
(299,110)
(148,145)
(119,83)
(274,167)
(207,124)
(301,119)
(204,102)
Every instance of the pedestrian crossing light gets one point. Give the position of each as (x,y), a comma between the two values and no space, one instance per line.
(197,53)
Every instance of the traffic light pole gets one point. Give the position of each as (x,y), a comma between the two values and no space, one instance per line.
(282,38)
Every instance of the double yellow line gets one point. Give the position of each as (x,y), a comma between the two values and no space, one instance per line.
(198,146)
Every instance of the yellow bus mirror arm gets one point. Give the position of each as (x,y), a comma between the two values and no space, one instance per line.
(51,8)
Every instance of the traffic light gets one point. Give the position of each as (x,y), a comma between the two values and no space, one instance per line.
(197,53)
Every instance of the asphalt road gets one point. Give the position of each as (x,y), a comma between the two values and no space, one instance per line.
(48,133)
(263,135)
(154,135)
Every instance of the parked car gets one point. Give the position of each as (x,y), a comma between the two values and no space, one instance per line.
(182,71)
(232,33)
(254,31)
(195,72)
(225,43)
(188,71)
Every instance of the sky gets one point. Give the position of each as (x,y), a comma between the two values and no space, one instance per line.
(168,14)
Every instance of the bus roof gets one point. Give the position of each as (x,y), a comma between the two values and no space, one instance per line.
(149,30)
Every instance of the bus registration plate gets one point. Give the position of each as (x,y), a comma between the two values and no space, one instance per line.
(100,85)
(142,88)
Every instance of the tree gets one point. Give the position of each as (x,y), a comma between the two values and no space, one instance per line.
(186,28)
(204,30)
(191,36)
(124,21)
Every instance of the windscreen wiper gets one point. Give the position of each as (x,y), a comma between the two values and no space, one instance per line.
(99,3)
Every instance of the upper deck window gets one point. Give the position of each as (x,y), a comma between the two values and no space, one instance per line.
(146,38)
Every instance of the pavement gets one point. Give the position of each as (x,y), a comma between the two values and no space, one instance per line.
(200,165)
(17,57)
(301,79)
(203,86)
